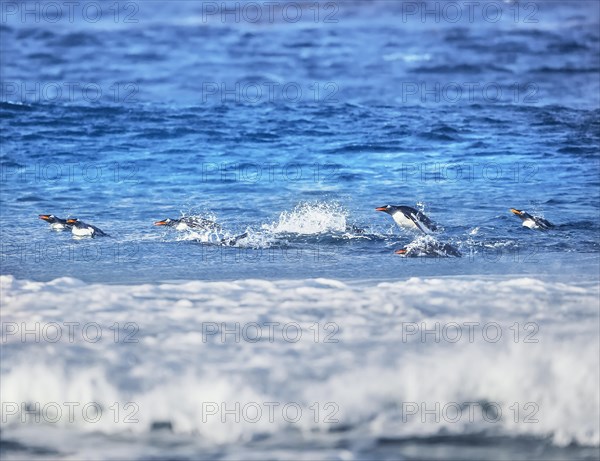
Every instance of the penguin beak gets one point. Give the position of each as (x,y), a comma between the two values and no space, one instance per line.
(401,251)
(160,223)
(45,217)
(71,221)
(515,211)
(381,208)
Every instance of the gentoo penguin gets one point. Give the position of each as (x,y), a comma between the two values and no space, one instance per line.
(409,218)
(55,222)
(81,229)
(435,249)
(533,222)
(188,223)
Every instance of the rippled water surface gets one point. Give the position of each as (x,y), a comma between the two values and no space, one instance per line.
(124,123)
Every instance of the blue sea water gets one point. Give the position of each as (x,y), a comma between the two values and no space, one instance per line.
(293,132)
(124,123)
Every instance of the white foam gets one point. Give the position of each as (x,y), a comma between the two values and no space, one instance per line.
(430,246)
(310,219)
(369,373)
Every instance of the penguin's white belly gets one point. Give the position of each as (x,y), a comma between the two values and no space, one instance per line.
(181,226)
(531,224)
(403,221)
(58,226)
(83,232)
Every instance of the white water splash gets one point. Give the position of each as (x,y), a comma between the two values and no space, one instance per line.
(310,219)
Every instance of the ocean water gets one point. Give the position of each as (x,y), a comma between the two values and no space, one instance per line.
(289,123)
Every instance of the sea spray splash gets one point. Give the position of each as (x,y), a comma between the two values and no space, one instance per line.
(311,218)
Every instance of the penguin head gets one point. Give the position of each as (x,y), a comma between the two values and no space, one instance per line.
(50,218)
(520,213)
(164,222)
(389,209)
(72,221)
